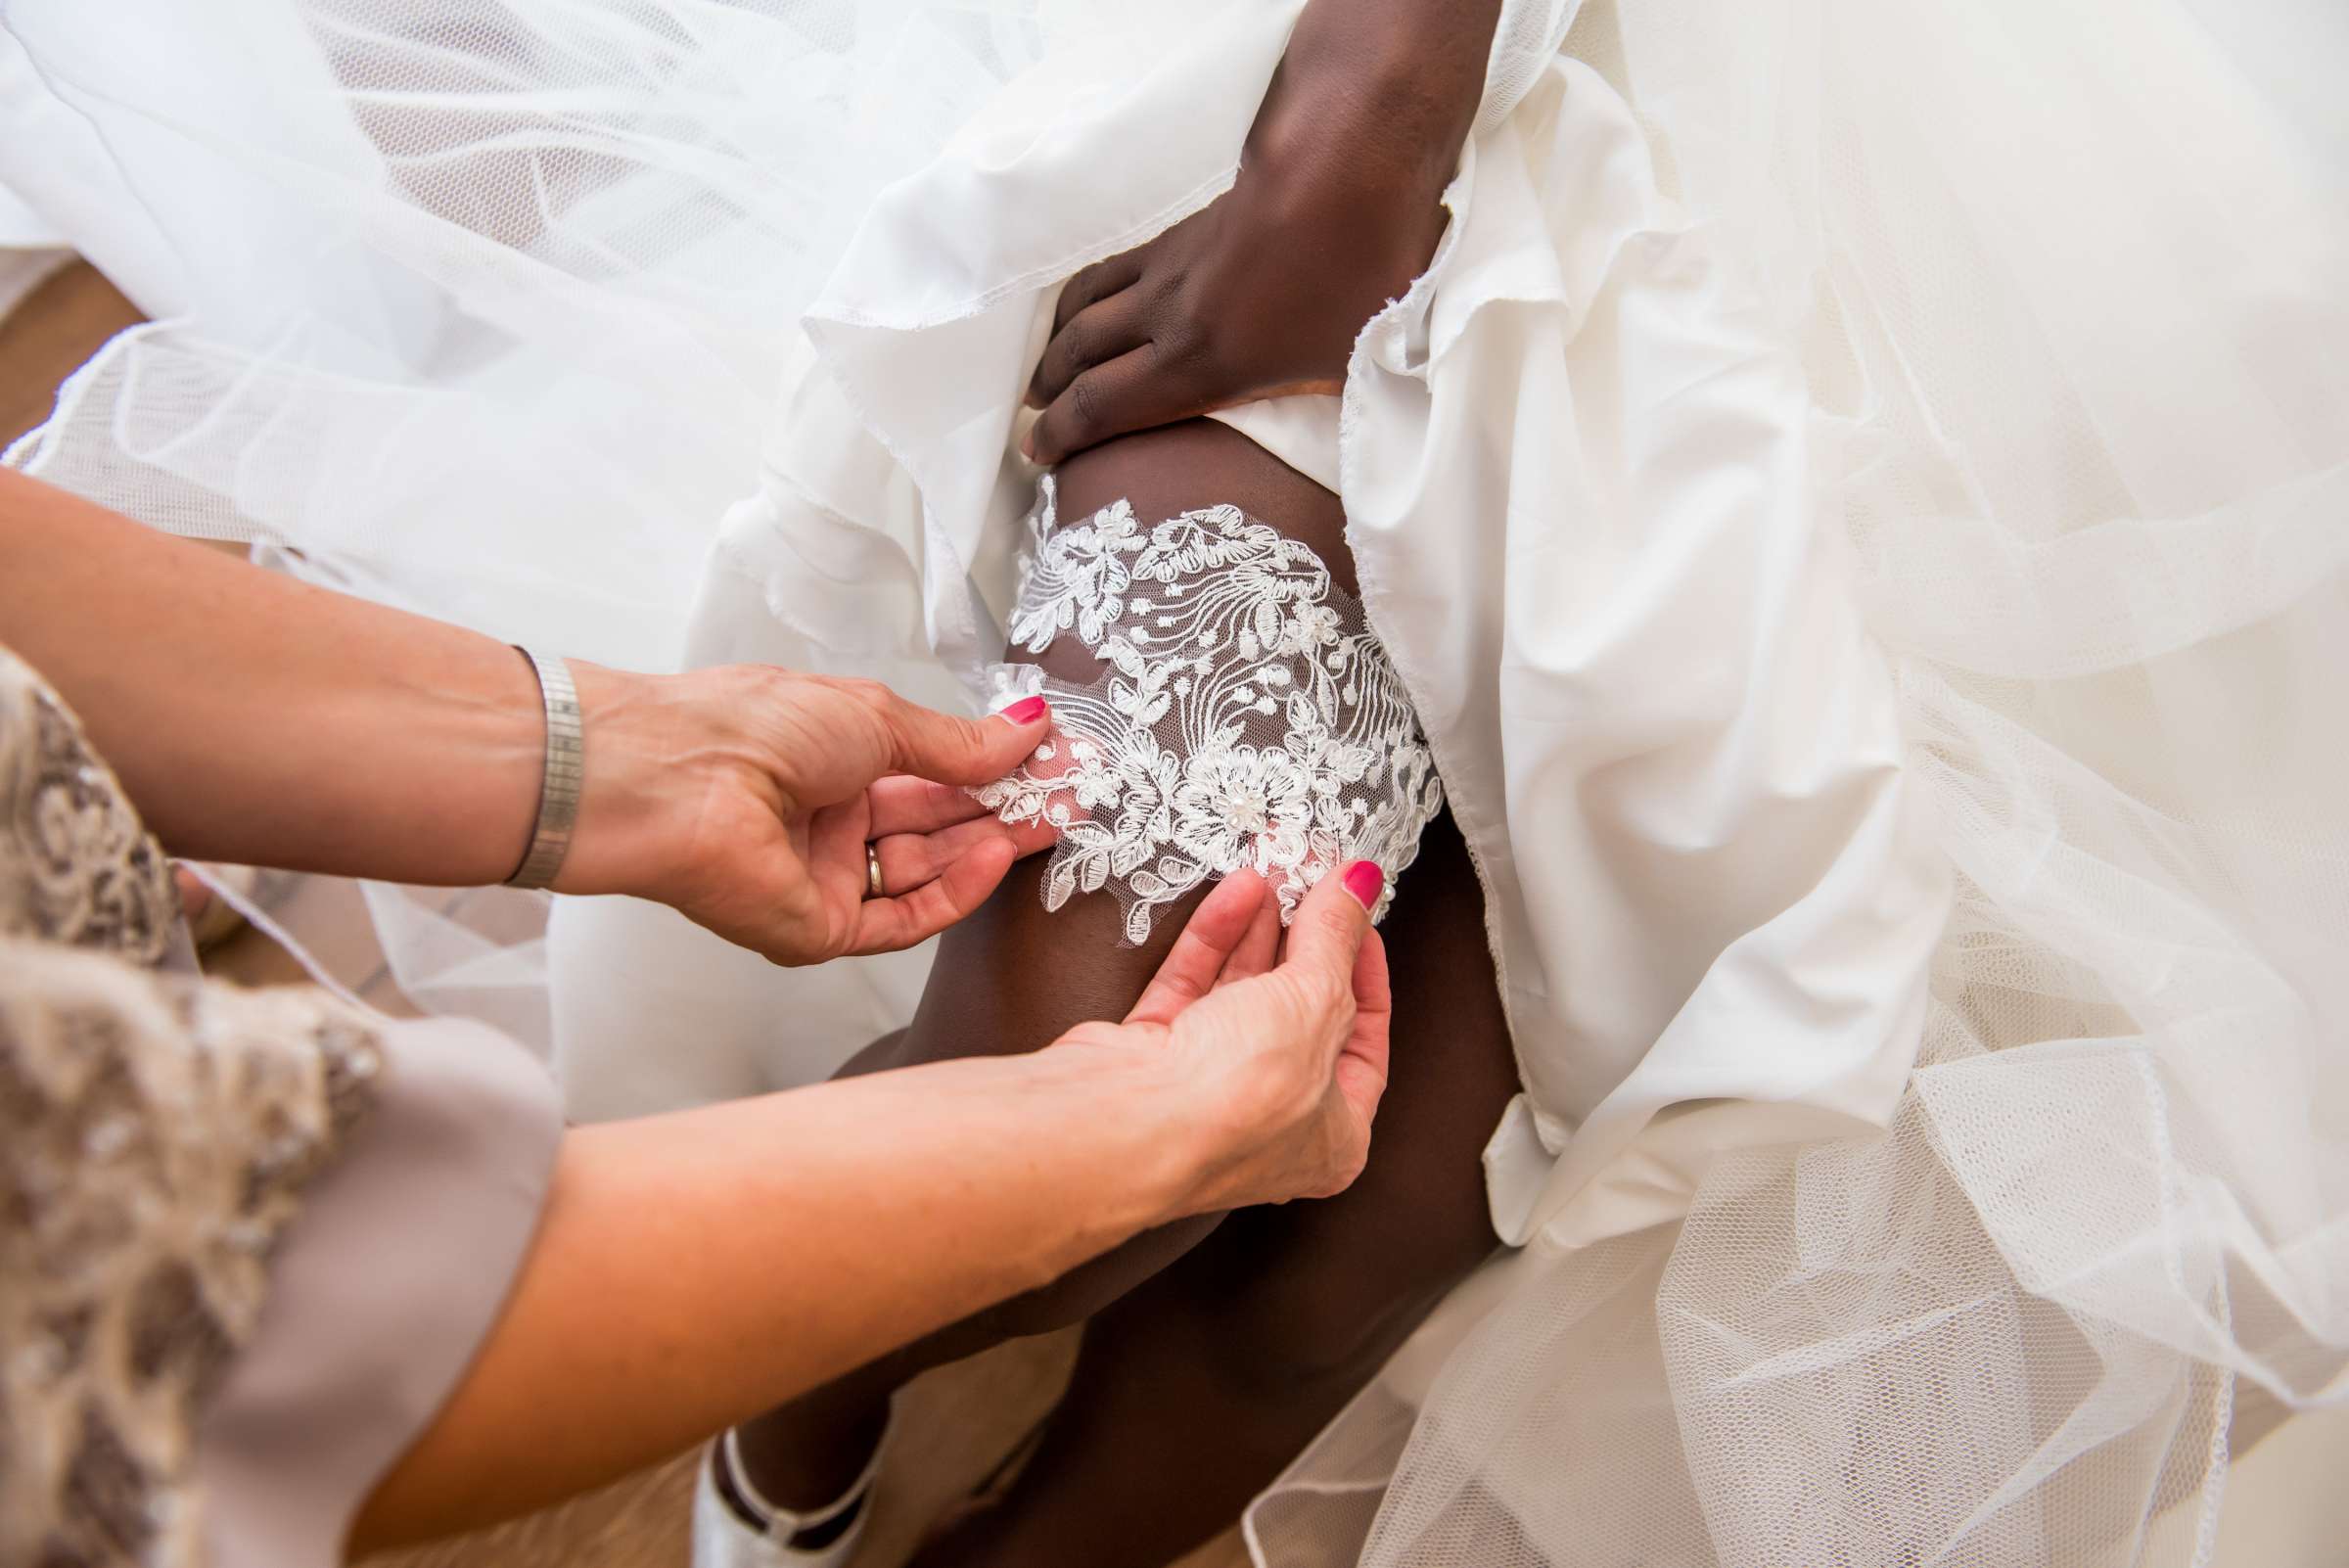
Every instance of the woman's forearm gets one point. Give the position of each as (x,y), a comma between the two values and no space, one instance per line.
(259,719)
(693,1270)
(696,1268)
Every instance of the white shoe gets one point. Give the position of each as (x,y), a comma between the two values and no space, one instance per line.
(827,1537)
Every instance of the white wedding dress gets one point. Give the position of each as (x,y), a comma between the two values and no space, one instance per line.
(1860,503)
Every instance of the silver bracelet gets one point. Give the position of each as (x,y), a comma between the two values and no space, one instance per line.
(558,790)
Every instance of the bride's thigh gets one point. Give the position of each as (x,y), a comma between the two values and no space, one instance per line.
(1314,1296)
(1013,977)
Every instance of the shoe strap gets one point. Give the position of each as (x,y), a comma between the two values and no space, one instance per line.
(795,1521)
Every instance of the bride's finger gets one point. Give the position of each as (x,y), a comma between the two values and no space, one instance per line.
(1099,282)
(1216,931)
(1097,333)
(889,924)
(1122,394)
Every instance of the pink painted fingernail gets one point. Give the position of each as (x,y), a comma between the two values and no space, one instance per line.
(1027,711)
(1365,881)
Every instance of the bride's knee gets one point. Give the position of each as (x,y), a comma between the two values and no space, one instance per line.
(1302,1323)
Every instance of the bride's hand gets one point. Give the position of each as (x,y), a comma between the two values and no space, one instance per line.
(1263,293)
(744,796)
(1279,1065)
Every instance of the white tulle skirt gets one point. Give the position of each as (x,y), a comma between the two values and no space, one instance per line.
(2005,603)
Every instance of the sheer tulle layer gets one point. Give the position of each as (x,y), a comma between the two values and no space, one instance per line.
(2038,263)
(1995,357)
(481,308)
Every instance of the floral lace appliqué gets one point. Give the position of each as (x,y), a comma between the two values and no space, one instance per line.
(1246,718)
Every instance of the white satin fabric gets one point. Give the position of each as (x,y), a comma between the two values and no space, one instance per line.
(1742,903)
(1857,502)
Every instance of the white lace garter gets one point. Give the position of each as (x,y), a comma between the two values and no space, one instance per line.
(1246,717)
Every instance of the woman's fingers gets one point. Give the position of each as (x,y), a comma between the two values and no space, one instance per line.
(1236,934)
(1260,950)
(902,803)
(951,749)
(1217,930)
(929,880)
(835,852)
(1331,926)
(1097,333)
(909,859)
(962,884)
(1317,1022)
(1361,1069)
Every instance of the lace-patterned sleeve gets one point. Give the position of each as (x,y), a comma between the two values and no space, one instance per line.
(1244,716)
(249,1240)
(156,1136)
(76,865)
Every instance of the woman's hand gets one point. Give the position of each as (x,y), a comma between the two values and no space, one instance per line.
(1278,1066)
(646,1313)
(1335,211)
(744,796)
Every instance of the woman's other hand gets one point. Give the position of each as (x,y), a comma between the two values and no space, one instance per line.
(1335,211)
(744,796)
(1241,1076)
(1276,1053)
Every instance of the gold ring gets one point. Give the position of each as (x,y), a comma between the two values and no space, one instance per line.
(872,869)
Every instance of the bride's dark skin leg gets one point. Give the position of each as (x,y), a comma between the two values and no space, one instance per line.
(1223,1366)
(1197,1388)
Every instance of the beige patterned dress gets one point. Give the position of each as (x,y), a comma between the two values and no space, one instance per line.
(248,1238)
